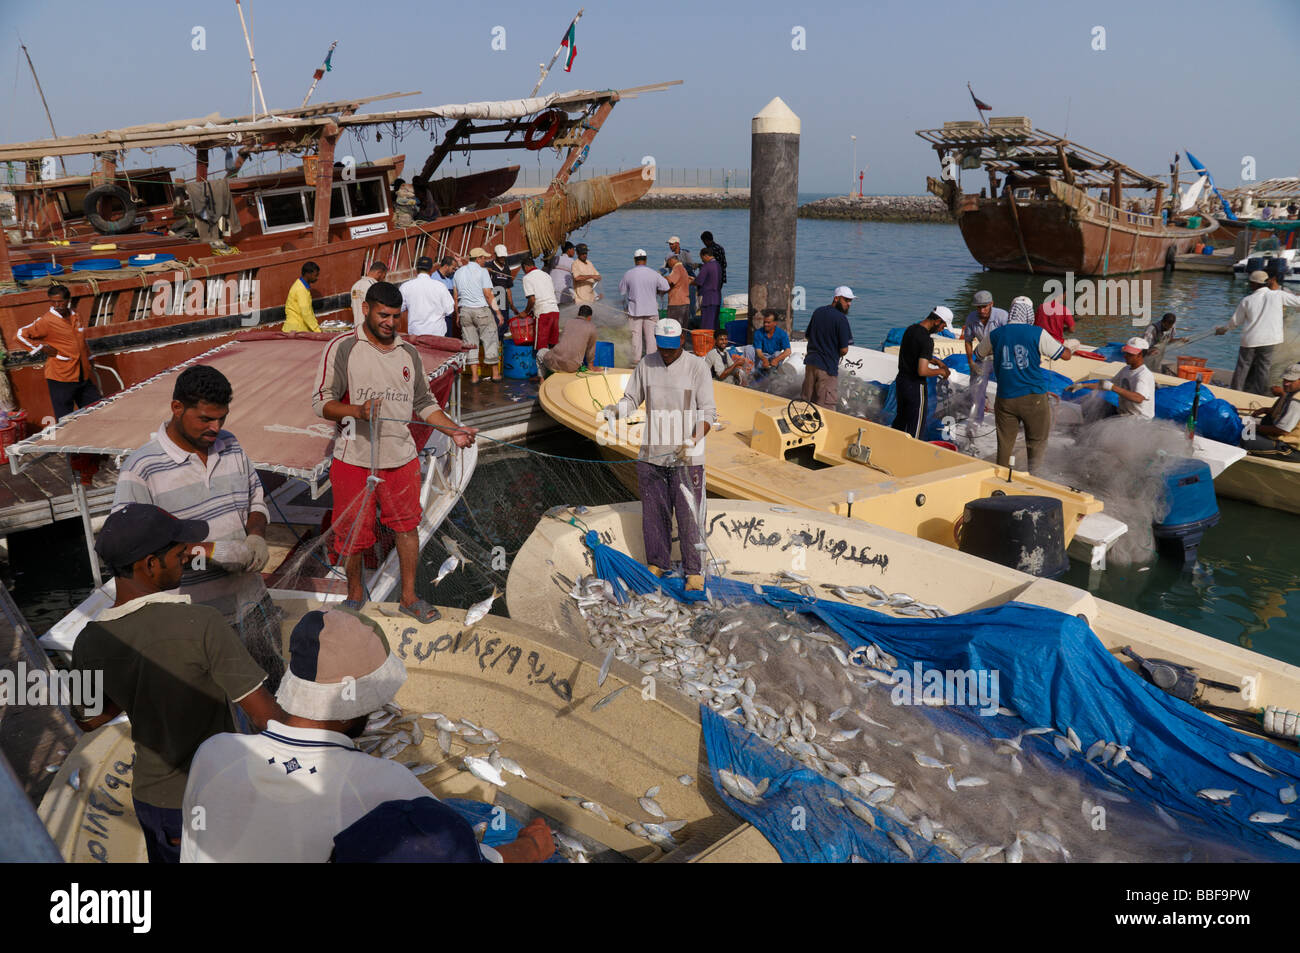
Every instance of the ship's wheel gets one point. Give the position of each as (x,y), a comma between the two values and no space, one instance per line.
(803,416)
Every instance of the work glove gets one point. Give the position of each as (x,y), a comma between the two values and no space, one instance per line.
(686,449)
(232,555)
(609,414)
(533,845)
(259,554)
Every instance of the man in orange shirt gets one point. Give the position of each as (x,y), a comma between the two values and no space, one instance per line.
(679,291)
(68,372)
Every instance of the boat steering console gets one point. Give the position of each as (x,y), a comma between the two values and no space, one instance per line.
(803,416)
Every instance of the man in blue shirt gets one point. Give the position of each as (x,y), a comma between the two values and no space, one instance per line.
(1017,351)
(771,345)
(829,339)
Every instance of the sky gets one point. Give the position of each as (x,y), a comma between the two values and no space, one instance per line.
(1137,80)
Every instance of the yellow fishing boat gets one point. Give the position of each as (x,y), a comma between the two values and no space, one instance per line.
(771,449)
(536,689)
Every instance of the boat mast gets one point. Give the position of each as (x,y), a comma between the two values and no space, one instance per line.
(32,67)
(257,83)
(319,73)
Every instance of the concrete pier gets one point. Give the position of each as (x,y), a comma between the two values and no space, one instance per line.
(774,210)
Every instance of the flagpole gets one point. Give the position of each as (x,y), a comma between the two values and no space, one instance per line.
(319,74)
(558,50)
(975,99)
(257,83)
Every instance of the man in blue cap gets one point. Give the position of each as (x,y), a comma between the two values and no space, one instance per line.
(173,667)
(677,390)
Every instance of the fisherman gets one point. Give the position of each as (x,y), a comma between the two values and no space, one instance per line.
(541,303)
(1134,385)
(376,272)
(717,251)
(680,290)
(577,345)
(1279,433)
(678,395)
(639,285)
(1054,317)
(298,312)
(1017,350)
(196,470)
(502,278)
(829,339)
(282,795)
(375,367)
(771,345)
(427,831)
(691,266)
(708,281)
(585,277)
(1158,335)
(173,667)
(916,362)
(445,273)
(562,274)
(426,301)
(477,308)
(1260,317)
(979,324)
(725,362)
(69,374)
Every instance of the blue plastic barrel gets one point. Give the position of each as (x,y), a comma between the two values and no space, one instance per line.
(96,264)
(153,259)
(520,361)
(26,271)
(604,354)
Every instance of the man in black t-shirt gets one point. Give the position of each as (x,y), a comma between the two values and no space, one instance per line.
(915,363)
(499,270)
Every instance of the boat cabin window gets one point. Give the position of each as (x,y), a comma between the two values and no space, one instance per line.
(366,197)
(151,193)
(72,202)
(282,210)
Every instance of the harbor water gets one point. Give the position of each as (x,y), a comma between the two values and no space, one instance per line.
(1245,588)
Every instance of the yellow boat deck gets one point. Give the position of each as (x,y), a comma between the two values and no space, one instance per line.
(758,452)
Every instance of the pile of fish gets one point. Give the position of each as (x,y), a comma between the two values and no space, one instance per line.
(983,788)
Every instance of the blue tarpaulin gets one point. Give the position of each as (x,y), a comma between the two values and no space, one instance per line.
(1052,670)
(895,337)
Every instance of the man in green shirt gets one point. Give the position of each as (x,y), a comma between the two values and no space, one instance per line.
(173,667)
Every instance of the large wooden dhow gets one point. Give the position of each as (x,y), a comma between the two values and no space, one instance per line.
(181,295)
(1052,206)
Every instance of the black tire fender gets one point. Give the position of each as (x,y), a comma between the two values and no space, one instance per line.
(104,225)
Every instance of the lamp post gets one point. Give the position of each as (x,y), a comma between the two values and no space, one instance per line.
(854,176)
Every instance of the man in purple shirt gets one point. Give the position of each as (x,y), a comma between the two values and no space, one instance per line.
(639,287)
(709,281)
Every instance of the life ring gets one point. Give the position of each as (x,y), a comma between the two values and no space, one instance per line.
(550,121)
(110,226)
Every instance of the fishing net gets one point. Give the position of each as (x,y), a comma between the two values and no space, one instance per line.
(550,217)
(967,780)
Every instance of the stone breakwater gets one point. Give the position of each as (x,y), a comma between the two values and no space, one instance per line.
(879,208)
(735,198)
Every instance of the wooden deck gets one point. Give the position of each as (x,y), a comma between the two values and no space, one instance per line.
(42,493)
(503,410)
(1219,263)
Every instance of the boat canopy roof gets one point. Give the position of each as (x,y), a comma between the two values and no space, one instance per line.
(1019,149)
(301,127)
(270,413)
(1268,190)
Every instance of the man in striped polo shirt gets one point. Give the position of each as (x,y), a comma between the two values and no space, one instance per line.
(195,470)
(373,375)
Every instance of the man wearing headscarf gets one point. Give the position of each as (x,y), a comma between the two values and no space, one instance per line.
(1018,350)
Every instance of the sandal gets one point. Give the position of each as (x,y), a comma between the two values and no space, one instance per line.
(421,611)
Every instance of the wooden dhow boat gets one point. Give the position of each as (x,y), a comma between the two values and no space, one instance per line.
(769,448)
(177,295)
(1051,206)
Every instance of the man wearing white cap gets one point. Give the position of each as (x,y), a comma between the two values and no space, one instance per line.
(1279,432)
(1260,317)
(677,391)
(639,288)
(1017,351)
(829,339)
(1134,385)
(502,279)
(479,315)
(915,363)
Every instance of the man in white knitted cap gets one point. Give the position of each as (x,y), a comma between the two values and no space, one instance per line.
(282,795)
(1018,350)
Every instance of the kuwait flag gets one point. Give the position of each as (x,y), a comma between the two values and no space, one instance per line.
(571,41)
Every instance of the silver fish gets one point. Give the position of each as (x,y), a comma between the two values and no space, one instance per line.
(925,761)
(608,698)
(879,796)
(447,568)
(479,609)
(74,780)
(1215,794)
(844,735)
(419,769)
(1285,839)
(1095,751)
(1166,817)
(482,769)
(604,669)
(652,792)
(1062,745)
(1287,795)
(1140,768)
(1250,763)
(972,782)
(901,843)
(1015,853)
(1268,817)
(451,546)
(1073,739)
(861,811)
(651,807)
(595,809)
(512,766)
(685,779)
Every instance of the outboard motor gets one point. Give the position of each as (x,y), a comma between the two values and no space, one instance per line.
(1193,508)
(1022,532)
